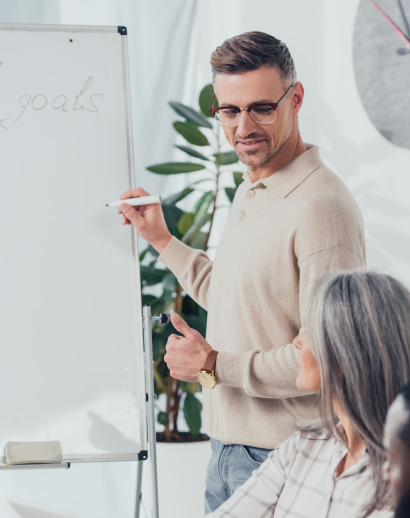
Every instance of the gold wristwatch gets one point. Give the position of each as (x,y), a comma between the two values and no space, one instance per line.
(206,376)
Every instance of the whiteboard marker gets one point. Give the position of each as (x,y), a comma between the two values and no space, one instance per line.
(143,200)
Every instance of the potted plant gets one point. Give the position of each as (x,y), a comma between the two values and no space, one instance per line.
(182,468)
(194,228)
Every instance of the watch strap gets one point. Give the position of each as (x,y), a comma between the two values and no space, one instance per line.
(210,361)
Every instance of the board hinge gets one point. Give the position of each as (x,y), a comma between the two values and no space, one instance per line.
(143,455)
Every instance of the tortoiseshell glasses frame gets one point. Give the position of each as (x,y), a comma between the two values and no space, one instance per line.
(252,110)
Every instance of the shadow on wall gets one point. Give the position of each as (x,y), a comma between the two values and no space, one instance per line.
(25,510)
(383,240)
(106,437)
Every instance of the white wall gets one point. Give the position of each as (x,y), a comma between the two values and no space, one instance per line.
(319,35)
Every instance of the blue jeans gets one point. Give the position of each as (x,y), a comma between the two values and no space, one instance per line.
(230,466)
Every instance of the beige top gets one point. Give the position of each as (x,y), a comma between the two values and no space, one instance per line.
(282,233)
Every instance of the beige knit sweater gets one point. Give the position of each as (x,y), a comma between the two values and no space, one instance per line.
(282,233)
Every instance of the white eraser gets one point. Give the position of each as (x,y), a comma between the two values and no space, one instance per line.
(33,452)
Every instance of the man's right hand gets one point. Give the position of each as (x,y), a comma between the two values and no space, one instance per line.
(148,220)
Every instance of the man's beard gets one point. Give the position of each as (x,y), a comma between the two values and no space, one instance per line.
(259,158)
(256,158)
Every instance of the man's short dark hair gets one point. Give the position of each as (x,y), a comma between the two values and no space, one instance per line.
(404,431)
(252,51)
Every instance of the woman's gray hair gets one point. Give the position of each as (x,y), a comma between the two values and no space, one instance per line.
(358,324)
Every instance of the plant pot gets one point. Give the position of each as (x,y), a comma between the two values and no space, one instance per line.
(181,478)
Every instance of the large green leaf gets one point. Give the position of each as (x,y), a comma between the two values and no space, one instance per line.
(230,157)
(199,241)
(167,299)
(238,179)
(192,413)
(190,115)
(152,251)
(175,198)
(202,312)
(175,167)
(230,192)
(196,322)
(191,134)
(170,282)
(203,204)
(196,227)
(189,306)
(202,181)
(205,98)
(192,152)
(160,338)
(156,307)
(143,254)
(187,386)
(162,418)
(148,299)
(151,276)
(172,215)
(186,222)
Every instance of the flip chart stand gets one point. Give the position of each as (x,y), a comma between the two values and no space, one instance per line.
(150,396)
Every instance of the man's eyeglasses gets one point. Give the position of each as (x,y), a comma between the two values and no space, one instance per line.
(261,113)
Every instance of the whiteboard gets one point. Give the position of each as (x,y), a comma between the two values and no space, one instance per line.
(71,341)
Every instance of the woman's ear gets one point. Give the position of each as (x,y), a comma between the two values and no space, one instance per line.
(338,371)
(340,378)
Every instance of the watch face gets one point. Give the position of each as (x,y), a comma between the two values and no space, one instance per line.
(381,56)
(206,379)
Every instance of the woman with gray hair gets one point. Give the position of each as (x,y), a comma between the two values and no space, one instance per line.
(355,353)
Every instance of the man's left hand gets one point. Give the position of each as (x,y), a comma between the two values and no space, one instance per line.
(186,355)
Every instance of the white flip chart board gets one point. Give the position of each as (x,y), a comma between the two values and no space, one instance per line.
(71,341)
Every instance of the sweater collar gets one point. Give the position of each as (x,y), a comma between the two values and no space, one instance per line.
(287,179)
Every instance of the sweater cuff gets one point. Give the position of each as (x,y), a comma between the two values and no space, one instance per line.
(176,256)
(229,369)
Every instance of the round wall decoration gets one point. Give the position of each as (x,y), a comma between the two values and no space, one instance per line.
(381,55)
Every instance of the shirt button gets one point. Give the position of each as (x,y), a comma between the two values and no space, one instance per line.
(251,193)
(242,214)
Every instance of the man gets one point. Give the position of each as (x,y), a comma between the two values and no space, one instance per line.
(397,444)
(292,219)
